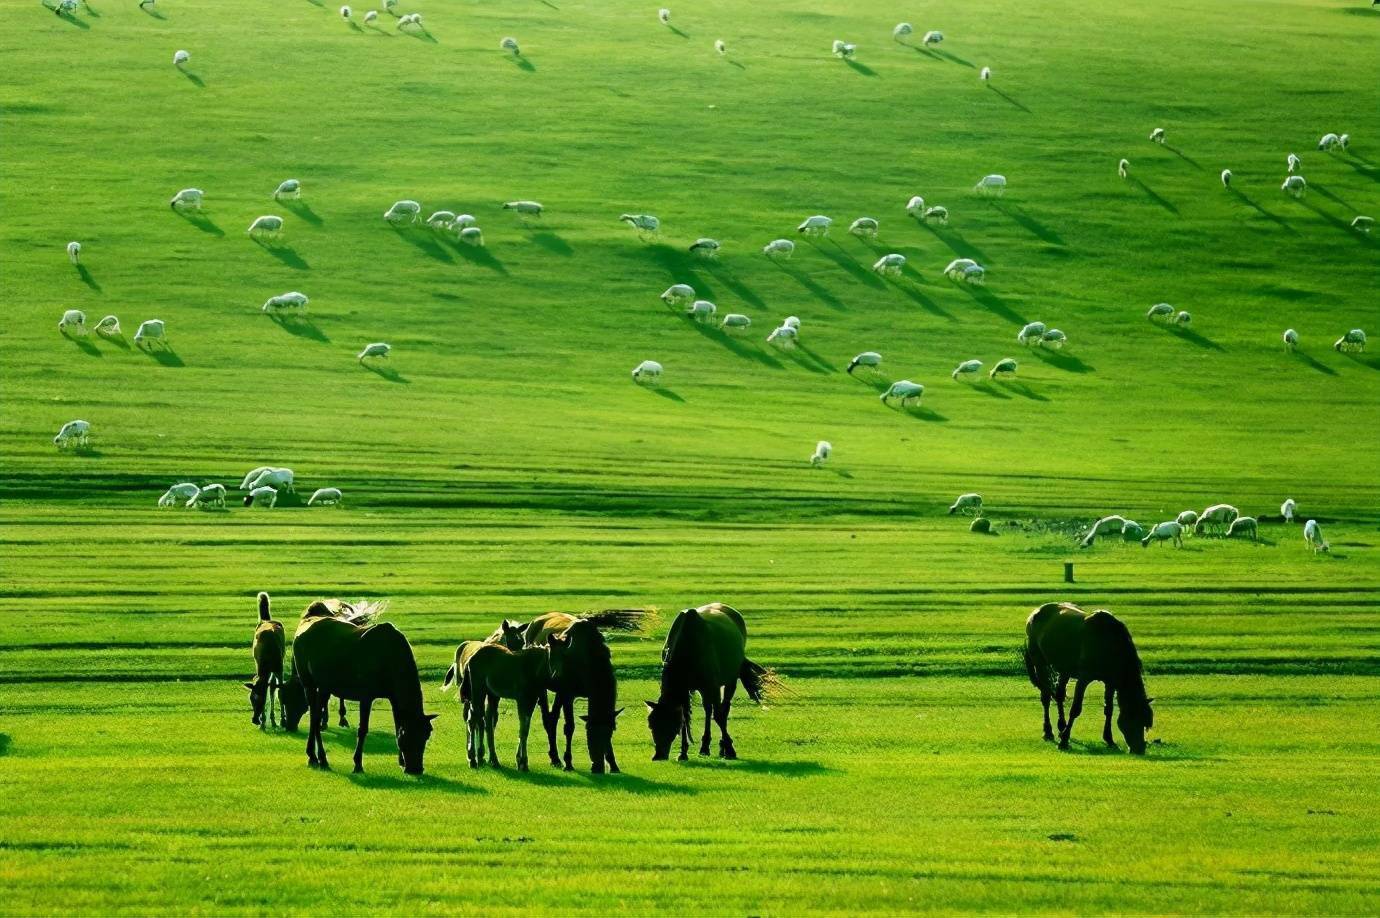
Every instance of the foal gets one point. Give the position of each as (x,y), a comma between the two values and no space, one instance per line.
(487,672)
(270,646)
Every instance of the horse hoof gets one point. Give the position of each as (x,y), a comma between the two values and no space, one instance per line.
(730,754)
(682,757)
(359,769)
(1049,737)
(613,770)
(522,766)
(1064,744)
(567,767)
(556,762)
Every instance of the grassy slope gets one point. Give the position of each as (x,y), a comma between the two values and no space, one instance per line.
(513,468)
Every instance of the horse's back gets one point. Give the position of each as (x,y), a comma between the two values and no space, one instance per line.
(711,641)
(547,624)
(1056,630)
(332,655)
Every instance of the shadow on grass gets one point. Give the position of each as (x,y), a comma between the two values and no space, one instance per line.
(986,387)
(953,59)
(1361,166)
(956,243)
(919,412)
(1062,361)
(71,19)
(630,783)
(1273,218)
(734,345)
(151,11)
(677,31)
(1024,391)
(1313,363)
(195,80)
(910,287)
(479,255)
(1152,194)
(164,357)
(1193,337)
(303,211)
(734,63)
(682,267)
(1183,156)
(424,240)
(118,340)
(421,34)
(812,360)
(200,221)
(300,326)
(4,744)
(839,256)
(405,782)
(284,253)
(740,289)
(993,303)
(1009,99)
(1339,224)
(1331,196)
(387,373)
(1018,214)
(87,279)
(1364,360)
(859,68)
(668,394)
(797,768)
(553,243)
(524,64)
(811,286)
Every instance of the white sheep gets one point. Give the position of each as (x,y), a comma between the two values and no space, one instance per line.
(212,495)
(442,219)
(463,220)
(1287,509)
(1160,312)
(965,270)
(719,46)
(937,214)
(288,188)
(371,16)
(1295,186)
(1243,527)
(472,235)
(902,30)
(779,248)
(1054,340)
(151,331)
(1226,178)
(1131,531)
(1363,224)
(180,58)
(1170,531)
(73,434)
(1183,318)
(647,371)
(1030,333)
(108,327)
(525,208)
(821,454)
(410,19)
(818,225)
(676,294)
(345,13)
(290,300)
(890,265)
(909,393)
(325,497)
(844,49)
(74,252)
(253,474)
(985,74)
(1218,516)
(262,496)
(1122,167)
(865,227)
(1294,163)
(281,479)
(1187,518)
(916,206)
(1157,135)
(643,223)
(664,15)
(932,37)
(1353,341)
(784,337)
(701,310)
(968,369)
(1329,141)
(1105,526)
(377,349)
(188,199)
(865,359)
(405,211)
(792,322)
(1344,140)
(1003,369)
(1291,340)
(991,185)
(1313,537)
(967,503)
(73,322)
(705,247)
(185,493)
(510,45)
(266,226)
(735,322)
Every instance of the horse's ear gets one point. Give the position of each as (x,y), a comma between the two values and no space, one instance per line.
(651,705)
(249,685)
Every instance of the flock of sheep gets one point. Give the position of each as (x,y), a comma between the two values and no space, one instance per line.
(261,485)
(1222,519)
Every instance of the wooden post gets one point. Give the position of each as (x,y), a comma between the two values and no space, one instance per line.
(1068,572)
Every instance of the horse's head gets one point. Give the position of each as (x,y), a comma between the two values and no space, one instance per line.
(599,727)
(258,695)
(293,699)
(664,719)
(412,737)
(512,632)
(1133,720)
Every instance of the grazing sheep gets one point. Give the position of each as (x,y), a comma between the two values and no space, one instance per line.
(267,226)
(410,19)
(253,474)
(1160,312)
(1344,141)
(401,212)
(985,74)
(74,434)
(389,4)
(345,13)
(1157,135)
(291,300)
(1003,369)
(974,274)
(371,16)
(1295,186)
(262,496)
(821,454)
(818,225)
(463,220)
(1226,178)
(65,7)
(1054,339)
(916,206)
(965,270)
(791,322)
(932,38)
(525,208)
(377,349)
(1131,531)
(1287,509)
(890,265)
(185,493)
(1187,518)
(908,392)
(1105,526)
(510,45)
(902,30)
(1361,224)
(844,49)
(1352,341)
(720,47)
(991,185)
(1242,527)
(968,369)
(1218,516)
(981,525)
(1313,537)
(1291,340)
(1294,163)
(864,226)
(73,322)
(865,359)
(472,235)
(784,337)
(442,219)
(289,188)
(937,214)
(677,294)
(1329,141)
(956,267)
(701,310)
(779,248)
(180,58)
(1031,333)
(325,497)
(1183,318)
(213,495)
(108,327)
(647,371)
(664,15)
(705,247)
(153,331)
(281,479)
(1165,532)
(643,223)
(735,322)
(74,252)
(967,503)
(187,198)
(1122,167)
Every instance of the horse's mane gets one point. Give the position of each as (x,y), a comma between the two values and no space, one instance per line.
(1116,629)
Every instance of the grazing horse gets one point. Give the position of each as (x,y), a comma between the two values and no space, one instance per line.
(362,663)
(292,697)
(1063,642)
(705,652)
(487,672)
(270,644)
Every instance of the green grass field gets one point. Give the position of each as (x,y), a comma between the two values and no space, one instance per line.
(503,464)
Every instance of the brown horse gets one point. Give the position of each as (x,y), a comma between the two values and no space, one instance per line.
(292,697)
(1063,642)
(269,648)
(362,663)
(705,652)
(487,672)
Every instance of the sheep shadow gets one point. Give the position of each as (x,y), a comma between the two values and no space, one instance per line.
(87,279)
(1312,362)
(804,361)
(156,14)
(1193,337)
(4,744)
(1009,99)
(284,253)
(524,64)
(200,221)
(1372,363)
(1024,391)
(1342,225)
(740,289)
(923,51)
(553,243)
(1018,214)
(166,357)
(956,243)
(302,210)
(301,327)
(859,68)
(1361,166)
(913,291)
(479,255)
(733,345)
(682,267)
(668,394)
(425,241)
(86,347)
(953,59)
(813,287)
(387,373)
(117,340)
(70,19)
(1331,196)
(739,65)
(920,413)
(986,387)
(1152,194)
(195,80)
(1062,361)
(804,354)
(839,256)
(1183,156)
(993,303)
(1279,221)
(380,32)
(422,34)
(677,31)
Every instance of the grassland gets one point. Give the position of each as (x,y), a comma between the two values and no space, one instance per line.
(504,464)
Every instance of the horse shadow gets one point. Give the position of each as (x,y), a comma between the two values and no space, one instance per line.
(1018,214)
(957,244)
(634,784)
(524,64)
(302,327)
(813,287)
(164,357)
(303,211)
(195,80)
(553,243)
(1062,360)
(993,303)
(1152,194)
(387,373)
(407,782)
(425,241)
(789,768)
(1013,101)
(1249,202)
(1193,337)
(201,222)
(286,254)
(1313,363)
(1183,156)
(4,744)
(859,68)
(86,346)
(735,346)
(742,290)
(87,279)
(668,394)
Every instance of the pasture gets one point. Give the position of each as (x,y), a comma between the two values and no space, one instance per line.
(501,463)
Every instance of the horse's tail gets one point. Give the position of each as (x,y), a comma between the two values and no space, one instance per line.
(761,683)
(364,612)
(450,679)
(636,621)
(263,608)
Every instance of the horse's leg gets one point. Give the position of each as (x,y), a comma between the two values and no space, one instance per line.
(548,723)
(311,724)
(726,749)
(524,706)
(322,715)
(608,757)
(1060,693)
(1107,710)
(1045,695)
(343,721)
(474,728)
(1079,688)
(364,707)
(711,701)
(272,700)
(567,707)
(684,730)
(491,721)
